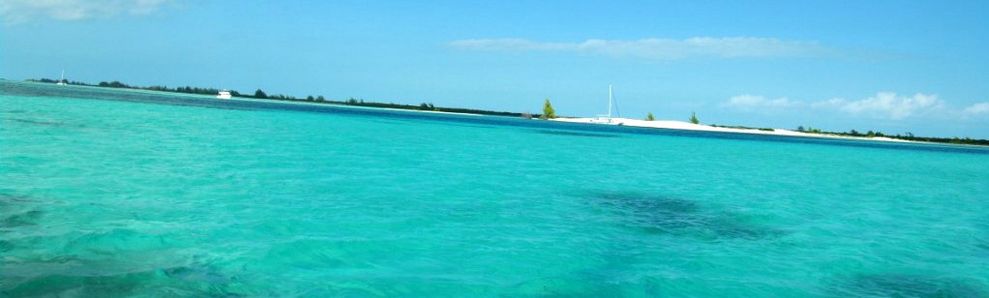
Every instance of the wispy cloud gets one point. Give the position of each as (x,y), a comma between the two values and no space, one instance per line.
(758,102)
(18,11)
(660,48)
(981,108)
(886,105)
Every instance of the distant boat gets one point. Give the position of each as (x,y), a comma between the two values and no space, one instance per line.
(607,118)
(224,95)
(62,80)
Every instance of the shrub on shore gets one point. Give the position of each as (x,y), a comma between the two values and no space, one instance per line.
(548,111)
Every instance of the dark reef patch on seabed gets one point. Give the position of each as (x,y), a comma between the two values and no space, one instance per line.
(67,274)
(984,245)
(662,215)
(174,281)
(196,274)
(7,200)
(15,211)
(905,285)
(21,219)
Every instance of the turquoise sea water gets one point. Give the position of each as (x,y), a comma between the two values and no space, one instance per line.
(124,193)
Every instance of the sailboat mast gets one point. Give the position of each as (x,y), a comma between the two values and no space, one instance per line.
(61,81)
(609,101)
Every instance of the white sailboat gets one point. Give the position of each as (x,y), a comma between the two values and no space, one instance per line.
(62,80)
(608,118)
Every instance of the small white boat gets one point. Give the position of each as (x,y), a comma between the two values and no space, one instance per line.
(607,119)
(62,80)
(224,95)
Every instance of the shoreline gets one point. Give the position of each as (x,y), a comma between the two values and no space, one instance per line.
(687,126)
(250,99)
(638,123)
(656,124)
(346,106)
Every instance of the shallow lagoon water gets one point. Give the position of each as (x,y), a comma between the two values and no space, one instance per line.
(122,193)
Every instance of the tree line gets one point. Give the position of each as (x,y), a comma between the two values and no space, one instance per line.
(906,136)
(261,94)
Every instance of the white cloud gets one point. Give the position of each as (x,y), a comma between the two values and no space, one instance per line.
(753,102)
(17,11)
(977,109)
(882,105)
(659,48)
(833,103)
(889,105)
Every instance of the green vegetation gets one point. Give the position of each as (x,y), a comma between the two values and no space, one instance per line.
(548,111)
(743,127)
(650,117)
(50,81)
(260,94)
(693,118)
(906,136)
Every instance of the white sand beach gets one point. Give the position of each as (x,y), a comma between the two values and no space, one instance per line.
(681,125)
(660,124)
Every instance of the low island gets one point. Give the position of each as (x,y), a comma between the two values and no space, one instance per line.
(549,114)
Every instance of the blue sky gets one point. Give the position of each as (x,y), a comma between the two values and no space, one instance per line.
(896,66)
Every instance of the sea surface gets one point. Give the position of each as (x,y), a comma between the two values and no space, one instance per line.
(107,193)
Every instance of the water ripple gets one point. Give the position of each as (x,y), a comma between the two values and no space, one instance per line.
(907,285)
